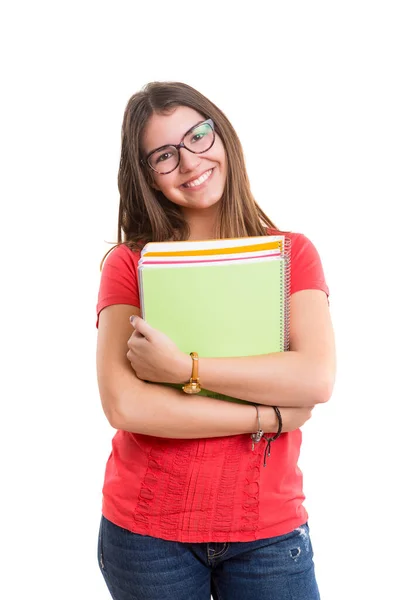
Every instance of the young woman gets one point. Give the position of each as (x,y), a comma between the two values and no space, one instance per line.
(189,509)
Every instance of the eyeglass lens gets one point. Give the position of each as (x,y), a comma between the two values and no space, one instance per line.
(198,140)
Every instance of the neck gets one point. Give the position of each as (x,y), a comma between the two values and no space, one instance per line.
(202,222)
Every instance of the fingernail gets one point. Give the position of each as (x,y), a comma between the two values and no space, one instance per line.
(132,319)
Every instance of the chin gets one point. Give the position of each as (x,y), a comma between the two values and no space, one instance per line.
(203,203)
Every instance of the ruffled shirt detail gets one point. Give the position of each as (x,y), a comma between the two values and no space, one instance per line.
(202,490)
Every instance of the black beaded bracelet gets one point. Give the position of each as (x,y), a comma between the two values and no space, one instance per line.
(274,437)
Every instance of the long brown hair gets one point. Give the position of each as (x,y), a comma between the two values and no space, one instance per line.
(145,214)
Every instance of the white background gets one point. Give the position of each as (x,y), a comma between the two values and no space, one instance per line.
(312,88)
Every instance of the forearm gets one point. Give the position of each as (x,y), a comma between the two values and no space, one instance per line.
(158,410)
(279,379)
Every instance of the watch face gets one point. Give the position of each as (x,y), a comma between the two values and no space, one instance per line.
(192,388)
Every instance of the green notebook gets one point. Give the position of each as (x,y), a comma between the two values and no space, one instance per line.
(221,309)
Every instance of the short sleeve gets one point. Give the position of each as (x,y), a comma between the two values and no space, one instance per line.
(119,279)
(306,267)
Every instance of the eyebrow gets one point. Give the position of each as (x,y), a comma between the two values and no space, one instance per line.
(184,135)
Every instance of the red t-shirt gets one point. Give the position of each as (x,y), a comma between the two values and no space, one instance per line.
(203,490)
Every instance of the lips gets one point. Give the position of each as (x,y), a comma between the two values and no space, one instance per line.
(195,182)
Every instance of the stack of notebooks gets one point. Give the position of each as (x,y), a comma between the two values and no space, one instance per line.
(220,298)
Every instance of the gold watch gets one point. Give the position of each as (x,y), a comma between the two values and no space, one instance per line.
(193,387)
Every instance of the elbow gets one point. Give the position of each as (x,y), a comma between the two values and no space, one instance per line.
(115,420)
(324,389)
(112,415)
(113,412)
(120,419)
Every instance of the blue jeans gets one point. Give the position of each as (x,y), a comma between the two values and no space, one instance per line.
(139,567)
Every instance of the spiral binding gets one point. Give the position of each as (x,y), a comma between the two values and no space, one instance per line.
(285,304)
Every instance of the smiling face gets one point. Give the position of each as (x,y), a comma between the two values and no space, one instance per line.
(199,180)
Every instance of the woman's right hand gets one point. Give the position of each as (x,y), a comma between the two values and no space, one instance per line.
(292,417)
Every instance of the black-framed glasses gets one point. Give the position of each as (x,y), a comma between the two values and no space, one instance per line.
(198,140)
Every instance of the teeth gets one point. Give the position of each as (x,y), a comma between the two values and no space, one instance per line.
(199,180)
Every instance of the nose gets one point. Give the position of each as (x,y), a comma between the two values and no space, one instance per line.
(189,161)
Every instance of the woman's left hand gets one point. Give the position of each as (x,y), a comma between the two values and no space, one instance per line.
(155,357)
